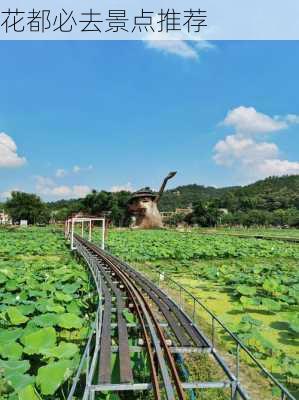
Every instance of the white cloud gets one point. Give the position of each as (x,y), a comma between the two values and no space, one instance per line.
(60,173)
(247,120)
(81,190)
(77,168)
(204,45)
(189,49)
(178,47)
(248,155)
(277,167)
(59,191)
(47,187)
(7,194)
(237,148)
(64,191)
(43,181)
(291,119)
(118,188)
(9,157)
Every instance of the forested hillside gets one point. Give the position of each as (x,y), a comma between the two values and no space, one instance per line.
(272,201)
(188,195)
(268,194)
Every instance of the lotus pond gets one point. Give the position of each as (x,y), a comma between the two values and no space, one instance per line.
(251,284)
(45,314)
(47,303)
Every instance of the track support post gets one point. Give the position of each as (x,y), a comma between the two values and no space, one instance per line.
(213,331)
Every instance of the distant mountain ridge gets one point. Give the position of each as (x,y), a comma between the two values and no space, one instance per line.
(281,192)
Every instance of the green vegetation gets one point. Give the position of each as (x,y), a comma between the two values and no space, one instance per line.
(273,201)
(28,207)
(267,232)
(253,285)
(46,308)
(44,314)
(270,194)
(112,204)
(183,246)
(270,202)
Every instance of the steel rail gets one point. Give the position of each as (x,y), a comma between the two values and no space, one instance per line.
(170,359)
(140,314)
(135,293)
(90,388)
(158,296)
(154,372)
(156,331)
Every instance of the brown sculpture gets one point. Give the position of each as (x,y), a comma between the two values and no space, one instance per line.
(143,205)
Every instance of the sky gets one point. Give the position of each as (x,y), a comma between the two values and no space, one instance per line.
(112,115)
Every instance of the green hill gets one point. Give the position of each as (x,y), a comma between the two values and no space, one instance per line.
(187,195)
(269,194)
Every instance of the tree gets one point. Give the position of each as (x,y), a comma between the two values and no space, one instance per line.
(27,206)
(204,214)
(97,202)
(176,219)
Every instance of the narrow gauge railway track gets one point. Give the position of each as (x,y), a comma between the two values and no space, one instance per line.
(164,331)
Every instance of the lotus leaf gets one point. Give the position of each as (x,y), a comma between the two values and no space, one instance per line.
(59,372)
(271,305)
(71,288)
(27,309)
(69,321)
(40,341)
(246,290)
(29,328)
(63,297)
(271,285)
(11,367)
(11,350)
(45,320)
(248,302)
(11,285)
(19,381)
(56,308)
(28,393)
(9,335)
(73,308)
(16,316)
(294,321)
(63,350)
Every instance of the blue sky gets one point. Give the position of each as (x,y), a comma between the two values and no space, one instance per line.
(106,115)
